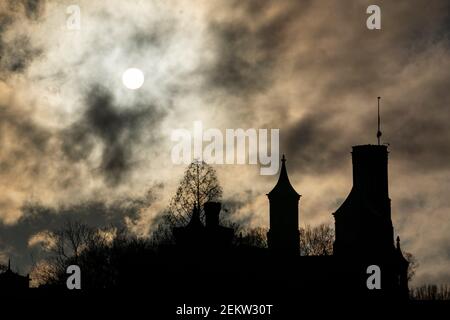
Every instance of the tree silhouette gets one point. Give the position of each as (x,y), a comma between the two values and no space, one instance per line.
(314,241)
(71,240)
(431,292)
(69,245)
(99,252)
(255,237)
(198,186)
(317,241)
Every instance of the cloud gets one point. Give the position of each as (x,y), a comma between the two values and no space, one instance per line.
(33,8)
(75,140)
(43,239)
(16,48)
(114,127)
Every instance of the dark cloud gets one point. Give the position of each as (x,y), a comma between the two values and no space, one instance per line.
(118,130)
(153,37)
(418,128)
(314,145)
(236,69)
(33,8)
(17,53)
(5,21)
(247,54)
(23,141)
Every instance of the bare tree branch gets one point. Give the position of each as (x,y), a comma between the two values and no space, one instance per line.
(198,186)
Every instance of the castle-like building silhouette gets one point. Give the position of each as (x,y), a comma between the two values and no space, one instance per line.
(364,234)
(204,258)
(364,237)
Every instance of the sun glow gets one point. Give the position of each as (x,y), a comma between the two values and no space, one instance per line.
(133,78)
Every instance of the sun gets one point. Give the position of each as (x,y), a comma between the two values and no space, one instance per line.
(133,78)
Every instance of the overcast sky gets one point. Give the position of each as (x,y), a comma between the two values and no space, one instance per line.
(75,142)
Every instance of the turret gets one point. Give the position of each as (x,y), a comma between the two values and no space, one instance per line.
(363,222)
(283,235)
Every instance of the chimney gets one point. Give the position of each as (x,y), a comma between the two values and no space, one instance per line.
(370,172)
(212,211)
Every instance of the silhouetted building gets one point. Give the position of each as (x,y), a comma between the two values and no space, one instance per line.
(191,235)
(197,236)
(217,236)
(364,238)
(11,281)
(363,227)
(363,222)
(283,236)
(364,233)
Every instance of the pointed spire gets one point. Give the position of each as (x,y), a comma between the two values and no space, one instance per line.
(379,122)
(398,243)
(283,171)
(283,186)
(9,264)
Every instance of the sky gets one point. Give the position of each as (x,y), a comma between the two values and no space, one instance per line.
(76,143)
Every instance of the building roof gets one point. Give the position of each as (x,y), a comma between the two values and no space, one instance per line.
(283,186)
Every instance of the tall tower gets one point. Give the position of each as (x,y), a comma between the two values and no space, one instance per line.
(283,236)
(363,222)
(364,234)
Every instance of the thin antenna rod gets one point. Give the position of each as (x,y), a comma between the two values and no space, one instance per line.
(379,125)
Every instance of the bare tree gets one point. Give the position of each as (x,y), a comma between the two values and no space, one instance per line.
(198,186)
(317,241)
(256,237)
(42,273)
(71,240)
(162,231)
(431,292)
(67,244)
(77,243)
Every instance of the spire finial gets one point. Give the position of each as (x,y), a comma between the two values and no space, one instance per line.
(398,242)
(379,124)
(9,263)
(283,158)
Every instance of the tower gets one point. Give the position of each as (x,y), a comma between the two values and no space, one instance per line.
(363,222)
(364,234)
(283,236)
